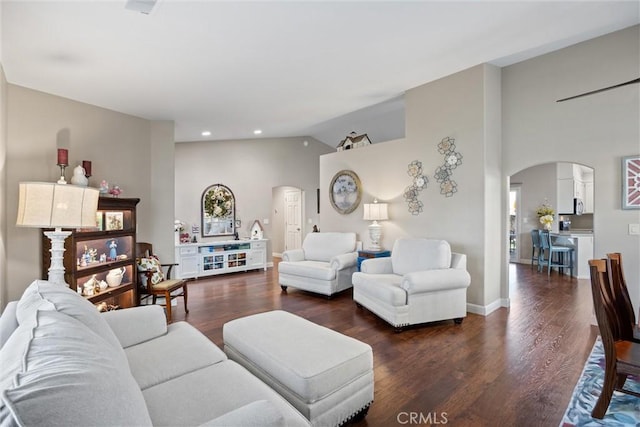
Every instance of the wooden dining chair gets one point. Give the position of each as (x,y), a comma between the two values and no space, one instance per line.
(622,357)
(156,279)
(620,294)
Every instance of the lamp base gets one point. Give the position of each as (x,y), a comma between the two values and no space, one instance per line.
(375,233)
(56,269)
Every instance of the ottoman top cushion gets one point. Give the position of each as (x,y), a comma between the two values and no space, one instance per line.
(310,360)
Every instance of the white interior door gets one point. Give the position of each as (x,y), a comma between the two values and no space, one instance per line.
(293,219)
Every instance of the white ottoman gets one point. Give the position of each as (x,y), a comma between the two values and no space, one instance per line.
(327,376)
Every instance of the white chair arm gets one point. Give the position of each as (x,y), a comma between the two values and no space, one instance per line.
(377,266)
(342,261)
(458,261)
(294,255)
(435,280)
(137,324)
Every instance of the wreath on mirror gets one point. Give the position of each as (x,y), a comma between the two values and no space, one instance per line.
(218,202)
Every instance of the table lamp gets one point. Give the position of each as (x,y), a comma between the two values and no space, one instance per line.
(375,212)
(51,205)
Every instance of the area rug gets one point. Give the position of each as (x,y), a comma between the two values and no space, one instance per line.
(624,410)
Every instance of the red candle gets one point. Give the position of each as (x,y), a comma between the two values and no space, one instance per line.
(86,165)
(63,156)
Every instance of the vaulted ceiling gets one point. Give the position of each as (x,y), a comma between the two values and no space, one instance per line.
(288,68)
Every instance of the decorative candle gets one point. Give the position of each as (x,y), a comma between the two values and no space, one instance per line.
(63,156)
(86,165)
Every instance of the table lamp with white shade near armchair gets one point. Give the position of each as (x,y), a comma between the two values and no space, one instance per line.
(375,212)
(57,206)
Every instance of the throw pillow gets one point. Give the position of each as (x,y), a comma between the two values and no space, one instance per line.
(69,376)
(152,264)
(43,295)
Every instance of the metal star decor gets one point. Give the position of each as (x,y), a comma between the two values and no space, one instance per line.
(452,159)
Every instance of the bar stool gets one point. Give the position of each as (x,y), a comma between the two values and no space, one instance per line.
(564,258)
(535,246)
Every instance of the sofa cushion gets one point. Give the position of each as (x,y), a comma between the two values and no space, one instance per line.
(227,384)
(260,413)
(68,373)
(182,349)
(42,295)
(323,246)
(312,269)
(411,255)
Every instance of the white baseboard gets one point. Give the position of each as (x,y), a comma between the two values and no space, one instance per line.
(485,310)
(276,255)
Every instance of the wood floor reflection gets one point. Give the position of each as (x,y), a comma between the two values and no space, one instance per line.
(514,367)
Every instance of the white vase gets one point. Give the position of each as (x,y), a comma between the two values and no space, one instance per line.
(547,226)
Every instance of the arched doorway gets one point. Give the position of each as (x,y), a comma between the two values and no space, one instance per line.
(565,187)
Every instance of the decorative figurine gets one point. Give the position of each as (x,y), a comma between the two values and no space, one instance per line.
(79,177)
(115,191)
(104,187)
(113,253)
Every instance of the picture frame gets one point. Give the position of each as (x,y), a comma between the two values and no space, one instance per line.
(113,221)
(631,182)
(345,192)
(99,221)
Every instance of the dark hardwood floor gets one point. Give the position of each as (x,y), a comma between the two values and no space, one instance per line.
(515,367)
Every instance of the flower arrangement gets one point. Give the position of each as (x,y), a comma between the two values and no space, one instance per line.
(545,209)
(546,220)
(218,202)
(545,214)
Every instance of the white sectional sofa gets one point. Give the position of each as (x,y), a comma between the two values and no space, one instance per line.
(63,363)
(323,265)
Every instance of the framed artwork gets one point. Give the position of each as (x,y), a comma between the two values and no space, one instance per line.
(631,182)
(99,224)
(345,192)
(113,220)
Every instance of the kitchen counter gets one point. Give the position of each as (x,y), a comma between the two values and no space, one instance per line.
(582,243)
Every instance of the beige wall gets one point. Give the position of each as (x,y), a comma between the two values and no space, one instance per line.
(455,107)
(596,130)
(251,168)
(3,193)
(118,145)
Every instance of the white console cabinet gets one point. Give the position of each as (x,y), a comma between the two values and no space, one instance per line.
(210,258)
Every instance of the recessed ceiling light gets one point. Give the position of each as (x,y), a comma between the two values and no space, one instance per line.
(206,133)
(257,132)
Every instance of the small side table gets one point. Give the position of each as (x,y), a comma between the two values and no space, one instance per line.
(365,254)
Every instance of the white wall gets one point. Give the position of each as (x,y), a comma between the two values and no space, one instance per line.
(117,144)
(251,169)
(596,130)
(455,107)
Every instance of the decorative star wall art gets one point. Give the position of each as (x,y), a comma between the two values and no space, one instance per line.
(419,183)
(452,159)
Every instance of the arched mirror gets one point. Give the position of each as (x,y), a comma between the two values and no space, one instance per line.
(218,211)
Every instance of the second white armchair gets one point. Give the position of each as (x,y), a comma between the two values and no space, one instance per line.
(323,265)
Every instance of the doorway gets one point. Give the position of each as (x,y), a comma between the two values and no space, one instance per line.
(514,223)
(292,219)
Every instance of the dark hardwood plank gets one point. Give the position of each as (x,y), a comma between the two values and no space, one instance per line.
(517,366)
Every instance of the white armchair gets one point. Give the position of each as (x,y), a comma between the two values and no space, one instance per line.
(323,265)
(422,281)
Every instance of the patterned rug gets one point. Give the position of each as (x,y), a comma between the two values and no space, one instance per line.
(624,410)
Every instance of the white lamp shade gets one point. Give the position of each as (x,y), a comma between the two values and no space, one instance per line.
(375,212)
(46,204)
